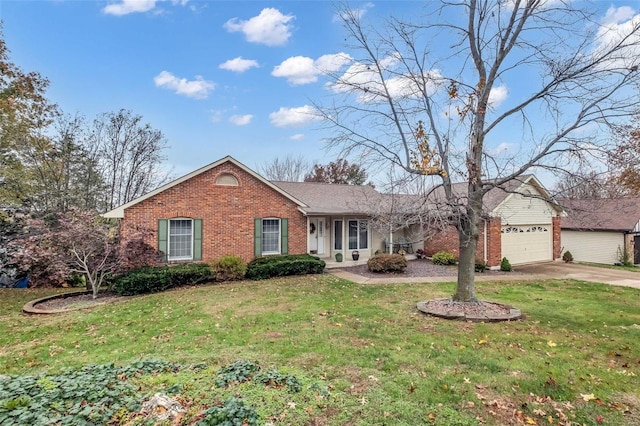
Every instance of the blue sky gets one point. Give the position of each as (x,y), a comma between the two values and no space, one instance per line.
(216,77)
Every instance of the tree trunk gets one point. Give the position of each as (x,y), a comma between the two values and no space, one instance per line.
(465,290)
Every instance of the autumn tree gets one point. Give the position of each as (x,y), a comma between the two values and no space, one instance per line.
(77,242)
(339,171)
(287,169)
(24,113)
(130,153)
(542,76)
(625,158)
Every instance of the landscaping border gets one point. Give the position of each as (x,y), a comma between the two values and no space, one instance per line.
(30,307)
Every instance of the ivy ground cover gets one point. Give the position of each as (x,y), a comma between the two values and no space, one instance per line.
(355,354)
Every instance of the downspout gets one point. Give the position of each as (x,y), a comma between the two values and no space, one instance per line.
(485,241)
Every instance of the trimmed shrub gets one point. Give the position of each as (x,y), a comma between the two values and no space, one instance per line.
(263,268)
(505,265)
(386,262)
(481,266)
(229,268)
(152,279)
(444,258)
(567,256)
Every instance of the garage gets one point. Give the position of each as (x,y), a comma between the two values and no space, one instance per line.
(527,243)
(593,246)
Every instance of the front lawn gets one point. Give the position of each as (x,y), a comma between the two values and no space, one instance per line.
(363,354)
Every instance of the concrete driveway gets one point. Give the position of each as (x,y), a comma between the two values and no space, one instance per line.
(582,272)
(538,271)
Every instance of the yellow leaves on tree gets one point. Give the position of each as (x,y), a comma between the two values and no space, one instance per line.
(424,159)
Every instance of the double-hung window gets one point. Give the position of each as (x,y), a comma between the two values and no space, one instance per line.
(180,239)
(358,234)
(270,236)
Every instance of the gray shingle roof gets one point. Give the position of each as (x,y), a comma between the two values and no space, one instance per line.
(607,214)
(325,198)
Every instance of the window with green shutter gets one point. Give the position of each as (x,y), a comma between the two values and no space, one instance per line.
(180,238)
(271,236)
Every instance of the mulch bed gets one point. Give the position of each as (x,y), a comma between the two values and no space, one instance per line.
(419,268)
(78,302)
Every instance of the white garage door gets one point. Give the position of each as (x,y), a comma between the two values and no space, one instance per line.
(527,243)
(593,246)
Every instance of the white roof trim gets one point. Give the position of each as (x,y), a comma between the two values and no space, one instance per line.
(538,185)
(118,212)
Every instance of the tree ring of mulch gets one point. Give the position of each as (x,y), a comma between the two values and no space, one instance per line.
(67,302)
(480,311)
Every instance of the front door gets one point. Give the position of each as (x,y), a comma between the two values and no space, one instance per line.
(316,235)
(636,249)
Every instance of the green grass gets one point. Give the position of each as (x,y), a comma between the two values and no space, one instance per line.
(382,361)
(632,268)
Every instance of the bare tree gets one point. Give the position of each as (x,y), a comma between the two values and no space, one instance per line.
(626,157)
(288,169)
(131,155)
(444,114)
(587,184)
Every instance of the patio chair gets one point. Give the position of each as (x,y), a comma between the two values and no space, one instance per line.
(405,245)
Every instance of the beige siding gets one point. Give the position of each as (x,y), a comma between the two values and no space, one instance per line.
(527,243)
(593,246)
(520,210)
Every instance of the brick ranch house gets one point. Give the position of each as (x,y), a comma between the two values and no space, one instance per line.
(226,208)
(520,224)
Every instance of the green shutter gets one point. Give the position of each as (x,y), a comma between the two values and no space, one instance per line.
(284,236)
(197,239)
(163,233)
(257,238)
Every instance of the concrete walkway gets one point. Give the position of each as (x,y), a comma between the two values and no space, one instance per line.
(538,271)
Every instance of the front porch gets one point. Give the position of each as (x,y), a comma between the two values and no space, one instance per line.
(332,264)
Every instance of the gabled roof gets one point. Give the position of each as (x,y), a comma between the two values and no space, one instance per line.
(326,198)
(604,214)
(118,212)
(497,196)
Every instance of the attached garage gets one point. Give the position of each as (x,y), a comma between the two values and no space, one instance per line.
(593,246)
(527,243)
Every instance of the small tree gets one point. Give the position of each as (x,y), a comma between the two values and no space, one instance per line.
(77,242)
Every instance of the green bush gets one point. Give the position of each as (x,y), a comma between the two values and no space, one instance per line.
(153,279)
(229,268)
(505,265)
(567,256)
(239,372)
(189,274)
(276,266)
(386,262)
(444,258)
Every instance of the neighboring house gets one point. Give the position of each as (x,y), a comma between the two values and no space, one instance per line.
(226,208)
(520,224)
(598,230)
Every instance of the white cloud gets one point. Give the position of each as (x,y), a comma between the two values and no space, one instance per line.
(357,13)
(363,81)
(270,27)
(239,64)
(617,24)
(303,70)
(299,116)
(297,137)
(497,96)
(125,7)
(197,89)
(240,120)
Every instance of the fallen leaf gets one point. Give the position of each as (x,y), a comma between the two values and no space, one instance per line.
(587,396)
(551,344)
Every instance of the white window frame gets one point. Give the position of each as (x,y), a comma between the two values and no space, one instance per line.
(169,256)
(279,251)
(360,227)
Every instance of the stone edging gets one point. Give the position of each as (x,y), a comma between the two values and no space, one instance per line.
(30,307)
(458,314)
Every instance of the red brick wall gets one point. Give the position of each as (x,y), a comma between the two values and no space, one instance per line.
(227,212)
(557,242)
(448,240)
